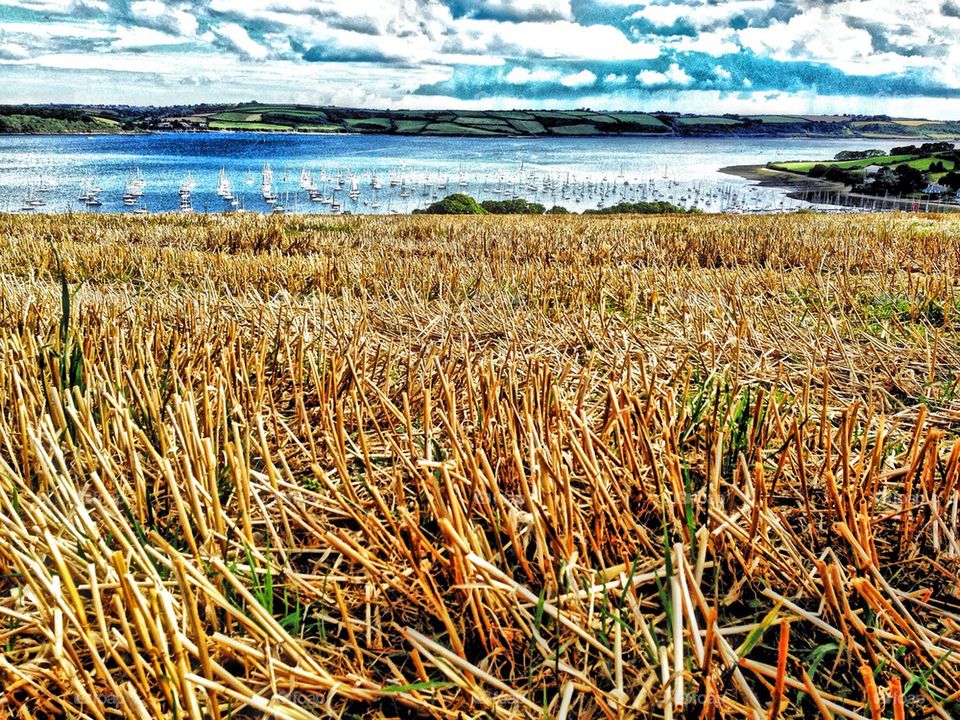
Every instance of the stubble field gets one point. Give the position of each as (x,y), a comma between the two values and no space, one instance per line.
(479,467)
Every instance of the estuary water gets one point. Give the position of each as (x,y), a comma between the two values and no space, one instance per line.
(260,172)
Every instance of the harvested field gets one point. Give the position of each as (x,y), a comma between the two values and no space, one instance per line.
(485,467)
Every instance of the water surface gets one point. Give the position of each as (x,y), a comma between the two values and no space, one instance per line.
(578,173)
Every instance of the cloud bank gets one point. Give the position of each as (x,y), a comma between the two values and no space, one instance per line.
(850,56)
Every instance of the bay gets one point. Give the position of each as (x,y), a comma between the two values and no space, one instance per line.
(392,174)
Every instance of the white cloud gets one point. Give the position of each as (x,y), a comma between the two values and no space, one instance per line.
(526,9)
(580,79)
(558,39)
(700,14)
(50,30)
(13,51)
(139,37)
(236,37)
(675,75)
(651,77)
(722,41)
(160,16)
(835,35)
(61,7)
(522,76)
(910,38)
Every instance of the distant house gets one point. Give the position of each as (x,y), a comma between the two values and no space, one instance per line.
(935,189)
(872,170)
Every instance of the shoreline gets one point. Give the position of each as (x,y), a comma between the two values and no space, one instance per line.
(819,192)
(682,136)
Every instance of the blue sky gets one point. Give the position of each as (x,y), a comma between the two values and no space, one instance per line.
(832,56)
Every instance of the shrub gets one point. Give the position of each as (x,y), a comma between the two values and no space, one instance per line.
(640,208)
(951,180)
(456,204)
(839,175)
(517,206)
(909,179)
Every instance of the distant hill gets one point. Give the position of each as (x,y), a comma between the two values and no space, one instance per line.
(15,119)
(493,123)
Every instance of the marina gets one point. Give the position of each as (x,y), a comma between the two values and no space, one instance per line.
(330,174)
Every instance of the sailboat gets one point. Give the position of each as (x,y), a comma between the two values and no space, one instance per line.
(279,209)
(86,190)
(32,200)
(188,183)
(132,191)
(266,185)
(223,186)
(138,182)
(306,180)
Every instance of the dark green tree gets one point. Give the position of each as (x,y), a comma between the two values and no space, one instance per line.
(456,204)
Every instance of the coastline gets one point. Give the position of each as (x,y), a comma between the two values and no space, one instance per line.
(823,192)
(517,136)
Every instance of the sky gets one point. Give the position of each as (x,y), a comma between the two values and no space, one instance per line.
(891,57)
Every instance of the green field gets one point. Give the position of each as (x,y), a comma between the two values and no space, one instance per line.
(805,167)
(31,124)
(309,114)
(707,121)
(232,125)
(411,127)
(385,123)
(776,118)
(638,119)
(516,115)
(530,127)
(320,128)
(67,119)
(925,163)
(849,172)
(480,120)
(921,163)
(583,129)
(238,117)
(449,128)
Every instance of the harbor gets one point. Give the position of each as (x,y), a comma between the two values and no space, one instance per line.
(256,173)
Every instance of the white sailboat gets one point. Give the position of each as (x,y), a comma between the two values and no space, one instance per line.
(266,185)
(138,182)
(132,191)
(224,189)
(306,180)
(188,183)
